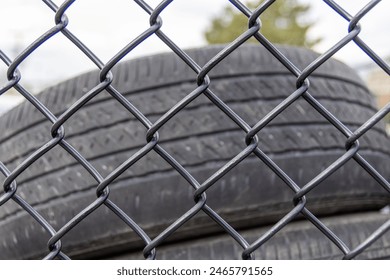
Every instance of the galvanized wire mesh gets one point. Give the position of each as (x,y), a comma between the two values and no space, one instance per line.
(200,189)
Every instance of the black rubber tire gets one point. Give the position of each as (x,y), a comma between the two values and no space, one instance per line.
(299,240)
(201,138)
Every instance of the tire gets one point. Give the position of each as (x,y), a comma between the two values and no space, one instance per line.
(201,138)
(299,240)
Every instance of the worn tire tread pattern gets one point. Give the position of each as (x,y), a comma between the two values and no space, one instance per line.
(201,138)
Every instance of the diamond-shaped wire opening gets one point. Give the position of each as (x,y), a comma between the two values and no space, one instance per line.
(303,149)
(45,59)
(374,143)
(39,186)
(126,18)
(154,84)
(106,134)
(151,189)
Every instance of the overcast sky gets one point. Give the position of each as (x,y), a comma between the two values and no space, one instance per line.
(106,26)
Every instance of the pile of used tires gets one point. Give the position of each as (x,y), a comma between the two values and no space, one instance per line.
(251,197)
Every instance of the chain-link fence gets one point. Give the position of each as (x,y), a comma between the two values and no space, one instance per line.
(14,199)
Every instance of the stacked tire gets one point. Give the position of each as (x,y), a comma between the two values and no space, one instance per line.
(202,138)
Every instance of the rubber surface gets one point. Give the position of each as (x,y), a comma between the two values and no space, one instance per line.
(299,240)
(201,138)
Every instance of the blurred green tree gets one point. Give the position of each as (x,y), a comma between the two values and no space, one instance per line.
(283,22)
